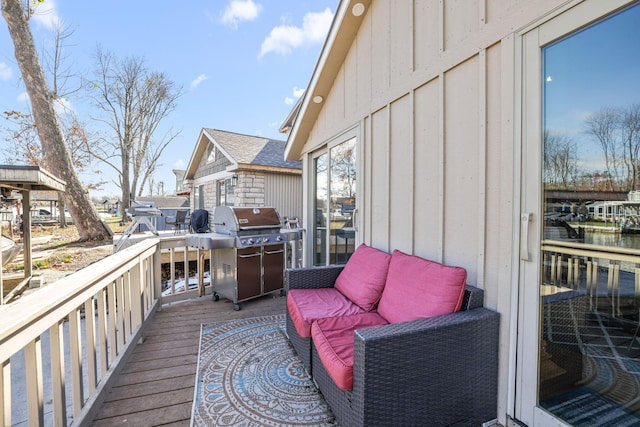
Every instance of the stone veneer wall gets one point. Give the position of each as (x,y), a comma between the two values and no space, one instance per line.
(249,189)
(210,195)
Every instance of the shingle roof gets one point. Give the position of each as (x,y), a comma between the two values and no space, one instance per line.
(253,150)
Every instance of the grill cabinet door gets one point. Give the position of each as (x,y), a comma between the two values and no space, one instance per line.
(249,273)
(273,267)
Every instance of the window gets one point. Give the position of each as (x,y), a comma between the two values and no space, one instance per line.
(225,192)
(211,154)
(198,197)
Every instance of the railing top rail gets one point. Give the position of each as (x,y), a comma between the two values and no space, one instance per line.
(590,250)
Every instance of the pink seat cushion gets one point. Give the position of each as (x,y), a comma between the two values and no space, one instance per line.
(364,276)
(307,305)
(333,338)
(418,288)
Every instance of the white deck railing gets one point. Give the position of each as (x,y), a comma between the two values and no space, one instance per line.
(61,346)
(600,271)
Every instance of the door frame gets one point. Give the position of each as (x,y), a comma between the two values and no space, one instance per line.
(528,177)
(325,148)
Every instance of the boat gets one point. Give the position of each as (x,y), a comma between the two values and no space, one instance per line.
(9,249)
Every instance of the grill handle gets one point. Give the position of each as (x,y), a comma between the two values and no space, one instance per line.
(274,252)
(249,256)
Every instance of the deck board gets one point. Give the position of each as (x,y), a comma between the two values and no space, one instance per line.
(157,382)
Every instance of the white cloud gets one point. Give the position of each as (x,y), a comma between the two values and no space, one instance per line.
(195,83)
(240,10)
(45,14)
(63,106)
(297,93)
(5,71)
(23,97)
(180,164)
(284,38)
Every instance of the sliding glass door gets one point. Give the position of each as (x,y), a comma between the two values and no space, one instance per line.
(334,203)
(580,345)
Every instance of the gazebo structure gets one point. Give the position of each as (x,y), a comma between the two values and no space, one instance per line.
(26,179)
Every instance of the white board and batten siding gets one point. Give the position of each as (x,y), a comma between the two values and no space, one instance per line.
(432,96)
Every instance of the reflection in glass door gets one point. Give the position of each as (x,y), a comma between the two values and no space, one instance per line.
(321,207)
(589,346)
(335,204)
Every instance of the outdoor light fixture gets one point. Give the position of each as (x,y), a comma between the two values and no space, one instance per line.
(318,99)
(357,9)
(234,179)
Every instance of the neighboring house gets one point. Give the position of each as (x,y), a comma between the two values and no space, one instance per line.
(439,108)
(232,169)
(180,188)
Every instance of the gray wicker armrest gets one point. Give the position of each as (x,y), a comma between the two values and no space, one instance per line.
(473,298)
(313,277)
(443,369)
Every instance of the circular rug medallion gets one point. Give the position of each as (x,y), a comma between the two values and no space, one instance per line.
(249,375)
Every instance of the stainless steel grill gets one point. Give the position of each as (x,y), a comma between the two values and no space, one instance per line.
(249,251)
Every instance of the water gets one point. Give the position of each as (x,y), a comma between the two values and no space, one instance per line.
(629,241)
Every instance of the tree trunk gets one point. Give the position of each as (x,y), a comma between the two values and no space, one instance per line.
(54,148)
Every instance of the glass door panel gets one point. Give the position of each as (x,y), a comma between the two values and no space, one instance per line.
(334,230)
(321,206)
(589,277)
(342,201)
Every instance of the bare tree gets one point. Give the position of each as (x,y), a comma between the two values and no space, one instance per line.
(603,125)
(618,132)
(57,157)
(630,136)
(560,165)
(134,102)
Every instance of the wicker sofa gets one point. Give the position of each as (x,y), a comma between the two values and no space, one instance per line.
(438,371)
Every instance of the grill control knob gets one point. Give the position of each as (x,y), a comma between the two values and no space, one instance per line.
(279,238)
(266,239)
(250,241)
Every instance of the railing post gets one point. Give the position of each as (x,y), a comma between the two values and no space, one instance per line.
(103,332)
(5,396)
(33,368)
(90,346)
(58,374)
(76,360)
(137,298)
(157,277)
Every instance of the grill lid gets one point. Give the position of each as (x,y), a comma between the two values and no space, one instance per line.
(235,219)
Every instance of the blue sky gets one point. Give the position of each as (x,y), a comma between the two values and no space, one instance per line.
(242,64)
(592,69)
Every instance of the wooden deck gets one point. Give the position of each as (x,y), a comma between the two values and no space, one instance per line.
(156,384)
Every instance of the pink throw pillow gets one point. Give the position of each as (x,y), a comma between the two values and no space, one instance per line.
(363,277)
(418,288)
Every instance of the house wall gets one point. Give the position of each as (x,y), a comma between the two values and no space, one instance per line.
(257,188)
(281,191)
(284,192)
(250,189)
(208,168)
(433,96)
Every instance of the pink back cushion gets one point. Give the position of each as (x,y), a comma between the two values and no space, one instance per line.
(418,288)
(364,276)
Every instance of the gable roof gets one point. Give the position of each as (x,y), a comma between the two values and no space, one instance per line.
(342,33)
(243,151)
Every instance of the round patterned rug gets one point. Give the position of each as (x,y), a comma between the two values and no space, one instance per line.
(249,375)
